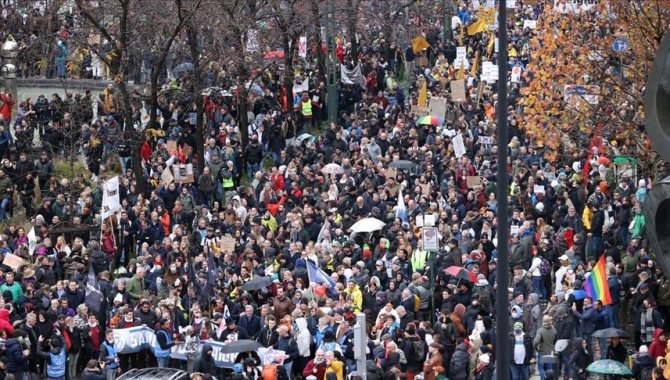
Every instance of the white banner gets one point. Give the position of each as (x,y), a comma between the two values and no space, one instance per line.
(134,339)
(252,41)
(299,88)
(353,76)
(302,47)
(111,202)
(459,146)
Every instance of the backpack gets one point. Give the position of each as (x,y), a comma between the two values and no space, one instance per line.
(269,372)
(419,350)
(545,267)
(417,303)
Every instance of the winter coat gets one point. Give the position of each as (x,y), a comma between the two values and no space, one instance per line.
(545,340)
(15,361)
(458,368)
(641,363)
(205,362)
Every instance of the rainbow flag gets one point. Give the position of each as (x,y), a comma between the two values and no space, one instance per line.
(596,284)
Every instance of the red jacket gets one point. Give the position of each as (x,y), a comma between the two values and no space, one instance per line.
(5,324)
(7,104)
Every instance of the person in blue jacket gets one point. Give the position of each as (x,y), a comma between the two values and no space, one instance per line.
(55,358)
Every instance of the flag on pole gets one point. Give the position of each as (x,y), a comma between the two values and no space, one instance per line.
(596,284)
(318,276)
(491,45)
(461,72)
(32,241)
(477,27)
(94,296)
(419,43)
(475,65)
(423,95)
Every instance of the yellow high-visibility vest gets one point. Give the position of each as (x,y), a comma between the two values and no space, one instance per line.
(307,108)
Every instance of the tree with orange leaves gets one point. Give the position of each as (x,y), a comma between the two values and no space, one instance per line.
(576,80)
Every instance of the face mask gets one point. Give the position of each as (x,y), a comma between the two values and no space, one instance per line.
(518,331)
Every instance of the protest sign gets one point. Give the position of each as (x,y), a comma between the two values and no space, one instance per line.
(485,140)
(183,173)
(302,47)
(461,58)
(575,95)
(538,189)
(227,244)
(530,24)
(511,4)
(459,146)
(430,238)
(458,90)
(438,107)
(167,177)
(13,261)
(516,74)
(473,181)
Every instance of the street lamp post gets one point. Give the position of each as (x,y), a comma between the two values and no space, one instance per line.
(9,51)
(332,66)
(448,14)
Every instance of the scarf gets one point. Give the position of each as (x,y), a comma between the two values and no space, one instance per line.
(647,326)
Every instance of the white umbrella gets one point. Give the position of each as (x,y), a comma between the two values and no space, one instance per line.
(332,169)
(304,136)
(368,225)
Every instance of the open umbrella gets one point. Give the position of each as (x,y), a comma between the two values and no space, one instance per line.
(257,283)
(368,225)
(403,164)
(244,345)
(461,274)
(332,169)
(561,345)
(611,333)
(579,294)
(609,367)
(304,136)
(430,120)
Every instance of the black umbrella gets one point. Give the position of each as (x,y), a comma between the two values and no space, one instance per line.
(257,283)
(403,164)
(611,333)
(244,345)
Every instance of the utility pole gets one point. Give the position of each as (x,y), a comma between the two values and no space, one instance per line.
(448,14)
(502,321)
(332,62)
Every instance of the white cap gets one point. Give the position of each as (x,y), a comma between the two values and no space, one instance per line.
(643,350)
(564,257)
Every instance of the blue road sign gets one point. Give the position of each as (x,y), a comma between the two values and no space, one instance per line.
(620,45)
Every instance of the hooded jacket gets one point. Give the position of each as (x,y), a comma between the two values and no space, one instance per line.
(5,323)
(304,337)
(657,346)
(205,362)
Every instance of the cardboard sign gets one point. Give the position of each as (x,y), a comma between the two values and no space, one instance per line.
(167,177)
(13,261)
(511,4)
(537,189)
(473,181)
(227,244)
(391,173)
(171,146)
(490,3)
(186,150)
(183,173)
(458,90)
(514,230)
(438,107)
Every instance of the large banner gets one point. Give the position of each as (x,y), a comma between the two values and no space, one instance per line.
(181,351)
(134,339)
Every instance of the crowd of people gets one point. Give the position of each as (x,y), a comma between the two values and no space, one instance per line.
(180,257)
